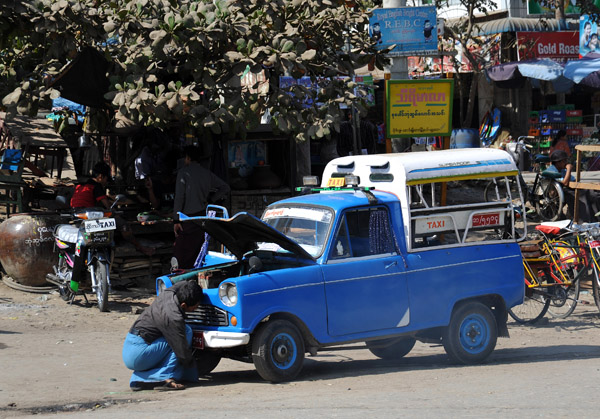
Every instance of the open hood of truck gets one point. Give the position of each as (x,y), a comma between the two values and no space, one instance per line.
(242,233)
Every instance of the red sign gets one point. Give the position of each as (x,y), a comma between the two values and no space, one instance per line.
(563,45)
(481,220)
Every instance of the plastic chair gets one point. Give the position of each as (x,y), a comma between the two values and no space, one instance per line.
(11,181)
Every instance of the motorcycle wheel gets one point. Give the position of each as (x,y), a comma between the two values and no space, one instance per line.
(101,273)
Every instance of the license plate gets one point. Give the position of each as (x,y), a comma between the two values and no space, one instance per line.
(198,339)
(594,243)
(102,224)
(482,220)
(336,182)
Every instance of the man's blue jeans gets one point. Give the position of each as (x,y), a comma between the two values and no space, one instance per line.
(156,361)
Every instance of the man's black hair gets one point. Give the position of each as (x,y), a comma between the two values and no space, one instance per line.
(558,155)
(193,152)
(101,168)
(189,293)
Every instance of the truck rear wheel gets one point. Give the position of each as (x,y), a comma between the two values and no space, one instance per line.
(471,335)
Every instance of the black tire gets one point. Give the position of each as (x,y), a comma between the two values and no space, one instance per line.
(206,361)
(549,200)
(101,273)
(391,349)
(278,351)
(534,307)
(471,335)
(596,286)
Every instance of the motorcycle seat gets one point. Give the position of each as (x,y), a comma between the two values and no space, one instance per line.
(67,233)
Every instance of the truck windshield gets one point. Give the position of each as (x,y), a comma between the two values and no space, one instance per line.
(308,227)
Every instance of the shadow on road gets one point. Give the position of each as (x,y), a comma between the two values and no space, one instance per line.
(329,366)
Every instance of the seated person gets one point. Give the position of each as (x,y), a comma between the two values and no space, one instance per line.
(93,194)
(158,347)
(588,200)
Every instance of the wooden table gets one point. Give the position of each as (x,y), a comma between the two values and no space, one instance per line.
(43,141)
(578,185)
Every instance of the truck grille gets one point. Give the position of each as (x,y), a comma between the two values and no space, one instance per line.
(207,315)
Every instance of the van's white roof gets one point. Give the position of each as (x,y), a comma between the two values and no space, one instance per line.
(425,166)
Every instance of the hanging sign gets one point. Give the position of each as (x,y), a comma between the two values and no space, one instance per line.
(564,44)
(412,29)
(419,108)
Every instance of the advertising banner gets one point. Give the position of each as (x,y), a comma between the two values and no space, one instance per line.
(588,35)
(542,7)
(419,108)
(412,29)
(563,45)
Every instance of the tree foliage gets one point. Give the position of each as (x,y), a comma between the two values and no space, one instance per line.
(180,61)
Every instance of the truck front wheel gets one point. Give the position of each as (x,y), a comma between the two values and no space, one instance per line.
(471,335)
(206,361)
(278,351)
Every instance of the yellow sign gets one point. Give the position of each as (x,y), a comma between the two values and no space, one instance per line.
(419,108)
(336,182)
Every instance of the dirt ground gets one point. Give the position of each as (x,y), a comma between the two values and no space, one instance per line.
(58,359)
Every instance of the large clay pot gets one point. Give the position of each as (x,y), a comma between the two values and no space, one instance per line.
(27,247)
(464,138)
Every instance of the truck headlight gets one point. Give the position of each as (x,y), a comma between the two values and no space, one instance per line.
(228,294)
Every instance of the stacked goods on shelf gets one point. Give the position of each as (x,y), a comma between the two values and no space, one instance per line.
(545,124)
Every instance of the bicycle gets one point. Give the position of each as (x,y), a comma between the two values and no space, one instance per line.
(553,273)
(545,195)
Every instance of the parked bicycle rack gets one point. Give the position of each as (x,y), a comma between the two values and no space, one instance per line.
(577,185)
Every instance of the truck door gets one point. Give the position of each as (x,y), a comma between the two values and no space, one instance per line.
(365,278)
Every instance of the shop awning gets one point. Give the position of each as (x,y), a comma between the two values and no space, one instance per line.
(584,71)
(514,73)
(521,24)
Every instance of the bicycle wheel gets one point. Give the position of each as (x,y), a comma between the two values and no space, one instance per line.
(534,306)
(563,300)
(550,200)
(596,286)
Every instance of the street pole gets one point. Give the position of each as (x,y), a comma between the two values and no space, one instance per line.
(397,70)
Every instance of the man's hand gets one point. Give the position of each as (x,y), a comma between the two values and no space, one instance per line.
(177,228)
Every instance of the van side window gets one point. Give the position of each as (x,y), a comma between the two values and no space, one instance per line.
(364,232)
(466,218)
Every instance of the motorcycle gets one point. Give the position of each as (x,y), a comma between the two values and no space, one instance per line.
(91,230)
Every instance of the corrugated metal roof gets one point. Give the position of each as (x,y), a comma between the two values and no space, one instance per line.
(521,24)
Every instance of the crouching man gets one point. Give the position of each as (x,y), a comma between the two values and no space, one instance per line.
(158,347)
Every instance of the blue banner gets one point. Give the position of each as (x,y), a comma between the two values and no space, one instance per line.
(412,29)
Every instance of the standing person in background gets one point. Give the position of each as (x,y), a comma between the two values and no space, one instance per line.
(560,143)
(195,188)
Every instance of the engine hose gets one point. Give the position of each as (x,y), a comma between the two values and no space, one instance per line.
(15,285)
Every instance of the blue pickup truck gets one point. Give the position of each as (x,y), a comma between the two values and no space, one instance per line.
(356,264)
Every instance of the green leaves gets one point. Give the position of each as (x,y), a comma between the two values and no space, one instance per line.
(182,60)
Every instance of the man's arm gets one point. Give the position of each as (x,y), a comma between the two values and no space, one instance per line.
(567,179)
(219,189)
